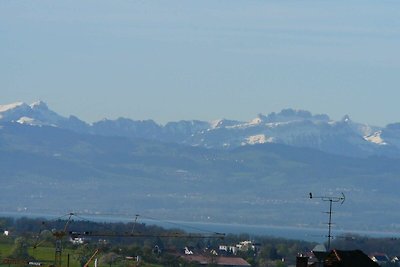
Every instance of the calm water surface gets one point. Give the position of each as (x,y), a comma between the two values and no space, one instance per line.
(298,233)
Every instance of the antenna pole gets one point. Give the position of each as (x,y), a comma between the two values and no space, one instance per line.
(330,224)
(331,199)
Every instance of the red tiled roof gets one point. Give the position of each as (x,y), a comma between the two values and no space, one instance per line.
(219,260)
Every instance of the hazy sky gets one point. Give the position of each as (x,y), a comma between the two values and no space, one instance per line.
(173,60)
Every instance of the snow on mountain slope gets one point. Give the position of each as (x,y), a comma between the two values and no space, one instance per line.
(36,114)
(30,121)
(223,123)
(376,138)
(4,108)
(13,111)
(258,139)
(291,127)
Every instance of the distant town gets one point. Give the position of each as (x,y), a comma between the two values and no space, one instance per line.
(69,241)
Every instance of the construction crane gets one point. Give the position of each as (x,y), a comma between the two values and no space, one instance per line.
(91,258)
(58,235)
(134,234)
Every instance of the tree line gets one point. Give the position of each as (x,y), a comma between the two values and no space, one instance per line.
(157,245)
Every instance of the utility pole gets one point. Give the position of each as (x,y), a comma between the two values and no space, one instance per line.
(331,199)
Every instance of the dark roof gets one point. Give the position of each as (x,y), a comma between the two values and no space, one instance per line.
(348,258)
(380,257)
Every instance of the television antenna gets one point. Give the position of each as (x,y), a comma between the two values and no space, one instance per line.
(331,199)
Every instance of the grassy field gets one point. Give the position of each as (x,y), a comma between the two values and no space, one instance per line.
(5,249)
(46,255)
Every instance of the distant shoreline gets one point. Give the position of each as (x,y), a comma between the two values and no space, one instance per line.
(287,232)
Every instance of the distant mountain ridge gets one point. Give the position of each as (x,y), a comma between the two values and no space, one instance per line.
(256,172)
(291,127)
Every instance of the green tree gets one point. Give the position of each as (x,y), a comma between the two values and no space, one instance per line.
(83,253)
(109,258)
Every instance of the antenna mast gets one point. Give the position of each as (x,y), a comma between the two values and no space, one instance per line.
(331,199)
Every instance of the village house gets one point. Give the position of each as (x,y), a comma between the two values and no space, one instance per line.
(380,258)
(241,246)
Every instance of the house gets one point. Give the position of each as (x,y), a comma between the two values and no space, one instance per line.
(396,259)
(228,249)
(380,258)
(188,251)
(241,246)
(77,240)
(245,245)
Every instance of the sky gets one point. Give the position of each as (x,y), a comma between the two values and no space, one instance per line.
(206,60)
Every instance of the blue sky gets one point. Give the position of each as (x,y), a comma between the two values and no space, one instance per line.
(173,60)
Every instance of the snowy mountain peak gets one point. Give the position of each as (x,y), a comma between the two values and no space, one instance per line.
(37,114)
(39,105)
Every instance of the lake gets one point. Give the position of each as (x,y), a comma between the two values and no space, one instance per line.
(288,232)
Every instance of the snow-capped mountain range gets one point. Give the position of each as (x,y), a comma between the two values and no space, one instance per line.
(291,127)
(231,171)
